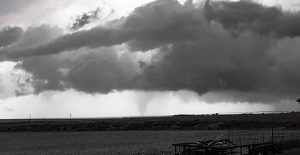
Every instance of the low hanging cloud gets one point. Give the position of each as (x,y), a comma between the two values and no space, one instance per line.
(98,70)
(242,50)
(9,35)
(139,30)
(251,16)
(31,38)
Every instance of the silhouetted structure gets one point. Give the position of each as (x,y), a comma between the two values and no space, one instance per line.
(218,146)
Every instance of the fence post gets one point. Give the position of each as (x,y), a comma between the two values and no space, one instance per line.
(240,140)
(228,133)
(272,138)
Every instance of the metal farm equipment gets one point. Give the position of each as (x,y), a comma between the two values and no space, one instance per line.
(219,146)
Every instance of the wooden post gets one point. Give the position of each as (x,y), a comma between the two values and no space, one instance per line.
(175,150)
(249,150)
(241,150)
(272,138)
(228,133)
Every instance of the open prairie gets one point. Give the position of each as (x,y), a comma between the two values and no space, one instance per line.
(144,135)
(103,142)
(108,142)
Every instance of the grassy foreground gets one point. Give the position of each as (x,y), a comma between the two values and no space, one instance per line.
(110,142)
(101,143)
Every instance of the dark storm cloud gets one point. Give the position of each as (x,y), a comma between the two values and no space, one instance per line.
(93,38)
(162,22)
(148,27)
(9,35)
(251,16)
(36,36)
(97,70)
(243,56)
(214,61)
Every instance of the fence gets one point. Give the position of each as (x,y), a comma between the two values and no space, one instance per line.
(276,135)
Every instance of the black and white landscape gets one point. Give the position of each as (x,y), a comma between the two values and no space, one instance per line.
(106,60)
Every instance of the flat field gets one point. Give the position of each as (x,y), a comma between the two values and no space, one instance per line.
(108,142)
(102,142)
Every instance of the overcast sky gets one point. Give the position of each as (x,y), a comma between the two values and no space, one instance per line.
(118,58)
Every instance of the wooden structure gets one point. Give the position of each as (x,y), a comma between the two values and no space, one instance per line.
(218,146)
